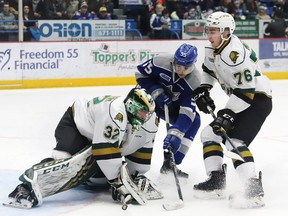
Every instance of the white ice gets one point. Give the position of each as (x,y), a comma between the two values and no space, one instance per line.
(27,122)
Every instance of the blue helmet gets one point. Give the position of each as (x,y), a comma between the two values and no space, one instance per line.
(185,55)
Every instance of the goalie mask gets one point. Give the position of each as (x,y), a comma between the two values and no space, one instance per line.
(139,106)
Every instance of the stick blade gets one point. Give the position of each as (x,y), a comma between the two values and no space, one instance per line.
(170,206)
(233,155)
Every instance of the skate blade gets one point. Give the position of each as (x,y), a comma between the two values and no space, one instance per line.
(215,194)
(241,202)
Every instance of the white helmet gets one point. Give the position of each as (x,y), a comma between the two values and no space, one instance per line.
(221,20)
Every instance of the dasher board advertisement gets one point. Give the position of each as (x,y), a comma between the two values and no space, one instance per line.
(81,30)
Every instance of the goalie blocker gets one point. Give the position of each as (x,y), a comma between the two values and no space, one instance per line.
(52,177)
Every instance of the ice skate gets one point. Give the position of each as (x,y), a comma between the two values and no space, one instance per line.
(214,187)
(21,197)
(252,197)
(167,167)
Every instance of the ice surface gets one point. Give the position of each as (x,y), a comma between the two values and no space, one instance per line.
(27,122)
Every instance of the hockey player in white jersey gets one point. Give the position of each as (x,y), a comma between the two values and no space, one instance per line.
(93,137)
(235,66)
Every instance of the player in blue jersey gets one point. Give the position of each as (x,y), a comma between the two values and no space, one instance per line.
(171,79)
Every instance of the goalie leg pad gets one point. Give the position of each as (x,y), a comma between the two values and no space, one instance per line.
(60,175)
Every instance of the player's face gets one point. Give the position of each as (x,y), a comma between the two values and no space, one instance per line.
(143,114)
(214,36)
(182,71)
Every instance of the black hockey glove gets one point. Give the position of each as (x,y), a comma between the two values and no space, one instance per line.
(224,121)
(119,191)
(202,98)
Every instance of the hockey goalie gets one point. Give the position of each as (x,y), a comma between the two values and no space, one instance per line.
(106,138)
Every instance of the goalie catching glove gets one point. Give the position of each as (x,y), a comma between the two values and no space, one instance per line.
(119,191)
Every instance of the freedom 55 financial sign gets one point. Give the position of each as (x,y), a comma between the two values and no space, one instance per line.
(81,30)
(60,60)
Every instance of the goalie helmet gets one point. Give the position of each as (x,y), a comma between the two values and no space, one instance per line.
(220,20)
(139,106)
(185,55)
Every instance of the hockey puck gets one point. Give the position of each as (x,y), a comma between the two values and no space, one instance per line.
(124,207)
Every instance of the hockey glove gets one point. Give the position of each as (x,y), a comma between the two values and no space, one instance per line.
(202,98)
(120,192)
(173,139)
(163,99)
(223,122)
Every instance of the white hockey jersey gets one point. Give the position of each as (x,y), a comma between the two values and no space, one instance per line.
(103,120)
(235,66)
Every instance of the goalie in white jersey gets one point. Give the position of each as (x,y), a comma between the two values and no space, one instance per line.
(93,137)
(235,66)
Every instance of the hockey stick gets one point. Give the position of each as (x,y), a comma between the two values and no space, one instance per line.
(131,187)
(179,204)
(229,154)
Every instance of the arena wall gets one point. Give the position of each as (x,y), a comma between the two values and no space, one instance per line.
(99,63)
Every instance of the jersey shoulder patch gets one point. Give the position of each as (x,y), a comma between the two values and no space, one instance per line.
(233,54)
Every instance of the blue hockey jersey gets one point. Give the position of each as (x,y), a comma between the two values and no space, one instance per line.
(158,72)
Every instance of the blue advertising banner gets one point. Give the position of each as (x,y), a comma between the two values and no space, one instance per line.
(271,49)
(274,56)
(81,30)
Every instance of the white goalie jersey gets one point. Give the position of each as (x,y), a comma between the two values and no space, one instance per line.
(104,121)
(238,73)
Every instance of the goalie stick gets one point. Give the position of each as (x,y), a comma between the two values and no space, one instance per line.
(179,204)
(131,187)
(229,154)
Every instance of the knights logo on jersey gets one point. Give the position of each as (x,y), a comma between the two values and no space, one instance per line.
(234,56)
(119,117)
